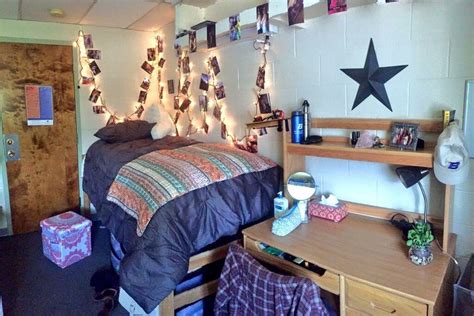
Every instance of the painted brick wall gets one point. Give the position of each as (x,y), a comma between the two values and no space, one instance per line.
(436,40)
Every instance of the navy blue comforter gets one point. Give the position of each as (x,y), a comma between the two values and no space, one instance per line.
(156,262)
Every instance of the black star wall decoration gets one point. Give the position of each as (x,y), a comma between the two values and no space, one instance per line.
(372,78)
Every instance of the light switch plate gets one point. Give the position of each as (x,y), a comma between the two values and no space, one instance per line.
(12,147)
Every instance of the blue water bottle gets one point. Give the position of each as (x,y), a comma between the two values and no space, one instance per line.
(297,127)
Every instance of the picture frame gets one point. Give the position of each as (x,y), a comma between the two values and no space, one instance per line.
(404,135)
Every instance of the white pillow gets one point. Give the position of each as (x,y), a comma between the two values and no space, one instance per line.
(164,125)
(151,113)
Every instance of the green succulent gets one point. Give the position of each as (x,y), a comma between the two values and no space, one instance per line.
(420,235)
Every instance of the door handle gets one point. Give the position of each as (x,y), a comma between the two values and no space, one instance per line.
(12,147)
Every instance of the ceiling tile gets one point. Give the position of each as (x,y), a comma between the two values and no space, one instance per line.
(159,16)
(9,9)
(113,13)
(38,10)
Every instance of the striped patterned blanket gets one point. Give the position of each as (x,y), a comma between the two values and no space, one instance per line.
(145,184)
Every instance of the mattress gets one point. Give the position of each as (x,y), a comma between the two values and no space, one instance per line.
(154,264)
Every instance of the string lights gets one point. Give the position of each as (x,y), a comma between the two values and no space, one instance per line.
(211,96)
(182,101)
(262,103)
(89,76)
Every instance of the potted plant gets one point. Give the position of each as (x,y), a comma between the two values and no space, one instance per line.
(419,241)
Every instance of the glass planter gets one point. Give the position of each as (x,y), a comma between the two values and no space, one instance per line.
(420,255)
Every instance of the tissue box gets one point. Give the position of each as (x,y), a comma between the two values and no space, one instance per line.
(66,238)
(335,214)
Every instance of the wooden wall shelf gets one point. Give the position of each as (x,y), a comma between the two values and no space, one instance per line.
(426,126)
(386,155)
(262,124)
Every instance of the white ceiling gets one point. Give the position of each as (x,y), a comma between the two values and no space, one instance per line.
(142,15)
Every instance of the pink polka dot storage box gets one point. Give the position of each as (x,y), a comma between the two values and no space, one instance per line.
(66,238)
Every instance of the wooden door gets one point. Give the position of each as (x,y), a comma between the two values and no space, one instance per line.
(45,179)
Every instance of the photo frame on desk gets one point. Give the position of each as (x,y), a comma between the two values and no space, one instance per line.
(404,135)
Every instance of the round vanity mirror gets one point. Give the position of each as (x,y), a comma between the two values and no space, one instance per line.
(301,186)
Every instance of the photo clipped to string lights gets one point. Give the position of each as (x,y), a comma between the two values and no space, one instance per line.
(89,75)
(263,108)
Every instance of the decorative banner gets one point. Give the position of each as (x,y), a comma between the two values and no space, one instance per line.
(39,105)
(295,12)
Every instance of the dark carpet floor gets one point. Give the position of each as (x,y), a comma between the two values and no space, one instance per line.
(30,284)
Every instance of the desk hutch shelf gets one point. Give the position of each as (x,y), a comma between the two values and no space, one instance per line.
(339,148)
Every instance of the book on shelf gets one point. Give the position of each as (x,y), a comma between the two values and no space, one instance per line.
(448,117)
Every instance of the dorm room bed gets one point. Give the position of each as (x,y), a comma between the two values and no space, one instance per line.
(171,245)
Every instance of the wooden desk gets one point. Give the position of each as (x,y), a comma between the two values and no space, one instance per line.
(366,264)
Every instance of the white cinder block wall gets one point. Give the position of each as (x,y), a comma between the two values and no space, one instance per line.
(436,40)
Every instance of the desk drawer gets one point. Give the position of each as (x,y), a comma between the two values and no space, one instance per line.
(328,281)
(369,300)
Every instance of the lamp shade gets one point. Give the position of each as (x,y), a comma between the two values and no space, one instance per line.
(411,175)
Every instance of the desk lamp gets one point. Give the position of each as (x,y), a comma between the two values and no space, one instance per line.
(413,175)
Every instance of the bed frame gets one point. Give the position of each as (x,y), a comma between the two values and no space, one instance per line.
(172,302)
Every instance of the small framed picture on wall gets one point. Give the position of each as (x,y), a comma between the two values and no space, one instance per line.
(404,135)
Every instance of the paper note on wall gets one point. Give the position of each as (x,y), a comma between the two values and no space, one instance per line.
(39,105)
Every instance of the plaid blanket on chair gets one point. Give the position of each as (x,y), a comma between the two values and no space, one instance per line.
(247,288)
(145,184)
